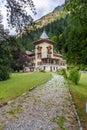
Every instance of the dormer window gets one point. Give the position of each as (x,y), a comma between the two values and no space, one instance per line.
(49,51)
(39,49)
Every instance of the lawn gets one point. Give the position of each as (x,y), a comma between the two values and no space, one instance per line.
(20,83)
(79,94)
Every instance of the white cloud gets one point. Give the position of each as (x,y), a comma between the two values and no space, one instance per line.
(45,6)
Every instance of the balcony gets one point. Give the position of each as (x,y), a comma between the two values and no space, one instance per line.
(39,52)
(50,64)
(48,55)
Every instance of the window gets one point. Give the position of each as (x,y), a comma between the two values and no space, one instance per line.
(44,67)
(39,49)
(39,56)
(39,63)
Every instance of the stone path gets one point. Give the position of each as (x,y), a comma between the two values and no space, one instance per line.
(47,107)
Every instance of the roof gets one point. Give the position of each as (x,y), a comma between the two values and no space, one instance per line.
(29,52)
(43,40)
(44,35)
(57,54)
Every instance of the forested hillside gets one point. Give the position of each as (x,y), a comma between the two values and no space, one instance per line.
(67,26)
(54,24)
(76,33)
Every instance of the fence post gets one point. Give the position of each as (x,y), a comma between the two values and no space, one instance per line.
(86,107)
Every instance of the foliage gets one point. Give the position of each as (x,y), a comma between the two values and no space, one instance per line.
(3,32)
(54,31)
(19,57)
(69,33)
(17,18)
(63,72)
(74,75)
(4,73)
(17,15)
(82,67)
(76,33)
(20,83)
(60,121)
(41,70)
(4,53)
(5,58)
(22,61)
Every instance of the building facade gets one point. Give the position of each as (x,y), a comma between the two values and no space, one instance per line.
(44,58)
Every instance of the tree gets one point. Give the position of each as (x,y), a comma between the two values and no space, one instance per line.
(17,16)
(76,32)
(3,32)
(23,61)
(4,60)
(4,52)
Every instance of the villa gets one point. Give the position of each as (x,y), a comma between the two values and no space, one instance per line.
(44,58)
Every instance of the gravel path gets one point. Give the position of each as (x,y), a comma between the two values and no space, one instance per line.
(47,107)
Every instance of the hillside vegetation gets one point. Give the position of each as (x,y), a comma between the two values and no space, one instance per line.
(54,24)
(66,26)
(45,20)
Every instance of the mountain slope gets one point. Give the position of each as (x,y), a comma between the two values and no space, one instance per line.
(57,13)
(54,24)
(58,8)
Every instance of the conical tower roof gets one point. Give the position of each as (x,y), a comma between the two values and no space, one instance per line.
(44,38)
(44,35)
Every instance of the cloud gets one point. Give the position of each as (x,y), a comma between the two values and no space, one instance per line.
(45,6)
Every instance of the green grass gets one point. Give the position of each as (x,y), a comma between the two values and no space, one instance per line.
(20,83)
(60,121)
(15,110)
(79,94)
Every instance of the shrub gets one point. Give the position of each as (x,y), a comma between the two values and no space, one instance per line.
(74,75)
(4,73)
(63,72)
(82,67)
(41,70)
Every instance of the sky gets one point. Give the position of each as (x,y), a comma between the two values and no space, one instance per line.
(43,7)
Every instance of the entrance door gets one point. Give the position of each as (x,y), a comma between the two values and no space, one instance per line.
(44,68)
(50,68)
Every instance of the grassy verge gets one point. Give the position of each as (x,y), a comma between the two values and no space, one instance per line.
(20,83)
(79,94)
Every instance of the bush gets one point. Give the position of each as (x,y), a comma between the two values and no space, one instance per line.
(74,75)
(4,73)
(41,70)
(82,67)
(63,72)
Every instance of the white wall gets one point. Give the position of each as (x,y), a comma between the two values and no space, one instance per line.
(44,46)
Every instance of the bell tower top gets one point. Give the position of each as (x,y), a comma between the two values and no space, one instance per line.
(44,35)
